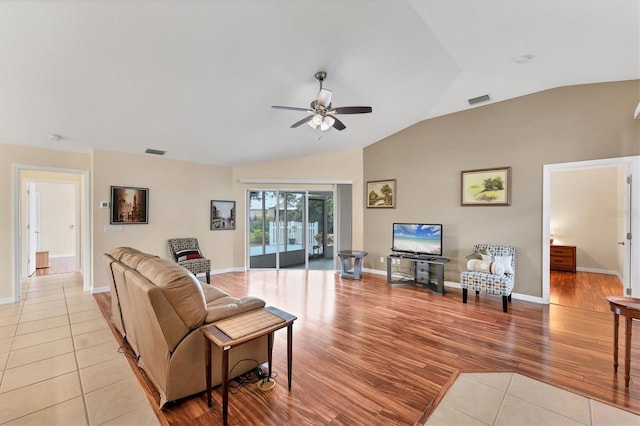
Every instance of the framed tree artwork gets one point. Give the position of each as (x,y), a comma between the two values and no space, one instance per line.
(486,187)
(381,193)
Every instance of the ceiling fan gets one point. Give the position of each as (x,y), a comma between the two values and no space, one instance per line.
(321,111)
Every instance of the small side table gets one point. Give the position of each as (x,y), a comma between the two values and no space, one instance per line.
(345,261)
(234,331)
(629,308)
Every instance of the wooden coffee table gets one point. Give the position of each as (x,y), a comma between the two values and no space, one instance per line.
(239,329)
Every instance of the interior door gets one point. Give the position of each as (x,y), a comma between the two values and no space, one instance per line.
(631,250)
(33,227)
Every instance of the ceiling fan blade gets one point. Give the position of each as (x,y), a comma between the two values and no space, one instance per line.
(337,124)
(291,108)
(301,122)
(324,97)
(352,110)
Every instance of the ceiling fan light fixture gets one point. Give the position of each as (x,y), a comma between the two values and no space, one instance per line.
(327,123)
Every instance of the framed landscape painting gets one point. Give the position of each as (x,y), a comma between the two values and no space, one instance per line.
(129,205)
(381,193)
(223,215)
(486,187)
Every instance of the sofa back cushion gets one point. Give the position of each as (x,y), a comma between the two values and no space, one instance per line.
(180,288)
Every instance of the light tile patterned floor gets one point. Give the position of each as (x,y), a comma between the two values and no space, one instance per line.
(59,362)
(512,399)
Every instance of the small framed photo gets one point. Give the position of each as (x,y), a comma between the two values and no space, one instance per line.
(486,187)
(129,205)
(223,215)
(381,193)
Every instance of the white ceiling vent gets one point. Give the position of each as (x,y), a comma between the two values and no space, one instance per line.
(155,151)
(479,99)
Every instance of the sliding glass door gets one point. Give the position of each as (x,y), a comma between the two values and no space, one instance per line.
(276,229)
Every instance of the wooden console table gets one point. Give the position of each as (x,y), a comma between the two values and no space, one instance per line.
(629,308)
(234,331)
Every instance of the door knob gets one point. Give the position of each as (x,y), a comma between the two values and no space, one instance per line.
(621,243)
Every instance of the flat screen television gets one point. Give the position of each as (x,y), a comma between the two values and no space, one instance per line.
(417,238)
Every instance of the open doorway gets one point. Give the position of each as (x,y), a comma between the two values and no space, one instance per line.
(51,227)
(586,224)
(53,217)
(320,219)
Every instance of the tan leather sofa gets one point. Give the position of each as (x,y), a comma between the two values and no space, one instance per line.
(158,307)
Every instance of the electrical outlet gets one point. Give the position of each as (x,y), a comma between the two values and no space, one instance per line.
(381,259)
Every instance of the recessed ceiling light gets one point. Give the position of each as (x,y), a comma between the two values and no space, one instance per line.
(523,59)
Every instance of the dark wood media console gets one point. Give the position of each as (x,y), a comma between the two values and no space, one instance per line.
(429,271)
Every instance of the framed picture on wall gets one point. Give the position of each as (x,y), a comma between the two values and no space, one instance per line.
(129,205)
(486,187)
(223,215)
(381,193)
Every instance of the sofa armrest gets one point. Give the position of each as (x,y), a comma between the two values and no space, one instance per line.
(228,306)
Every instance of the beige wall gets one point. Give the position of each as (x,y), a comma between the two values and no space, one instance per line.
(11,155)
(180,194)
(584,213)
(560,125)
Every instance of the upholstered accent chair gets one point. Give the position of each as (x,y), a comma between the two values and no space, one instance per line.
(496,272)
(186,253)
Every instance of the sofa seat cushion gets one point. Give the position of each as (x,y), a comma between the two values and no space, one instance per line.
(228,306)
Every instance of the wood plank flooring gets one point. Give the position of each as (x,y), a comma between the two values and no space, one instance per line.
(367,353)
(583,290)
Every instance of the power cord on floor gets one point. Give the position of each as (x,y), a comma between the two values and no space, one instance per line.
(251,377)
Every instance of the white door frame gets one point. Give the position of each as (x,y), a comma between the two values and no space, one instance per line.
(18,246)
(632,168)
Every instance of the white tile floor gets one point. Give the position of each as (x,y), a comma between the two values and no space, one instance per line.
(513,399)
(59,362)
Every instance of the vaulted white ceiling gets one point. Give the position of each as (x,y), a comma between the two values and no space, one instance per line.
(197,78)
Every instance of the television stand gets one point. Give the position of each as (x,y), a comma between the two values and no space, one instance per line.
(429,271)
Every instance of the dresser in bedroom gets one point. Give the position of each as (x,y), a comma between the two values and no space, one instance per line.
(563,258)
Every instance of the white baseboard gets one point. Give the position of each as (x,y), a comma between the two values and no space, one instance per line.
(601,271)
(55,256)
(457,285)
(97,290)
(7,300)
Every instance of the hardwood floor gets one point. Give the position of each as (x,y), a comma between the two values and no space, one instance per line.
(583,290)
(369,353)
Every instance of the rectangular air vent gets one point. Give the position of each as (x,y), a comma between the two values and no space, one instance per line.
(479,99)
(155,151)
